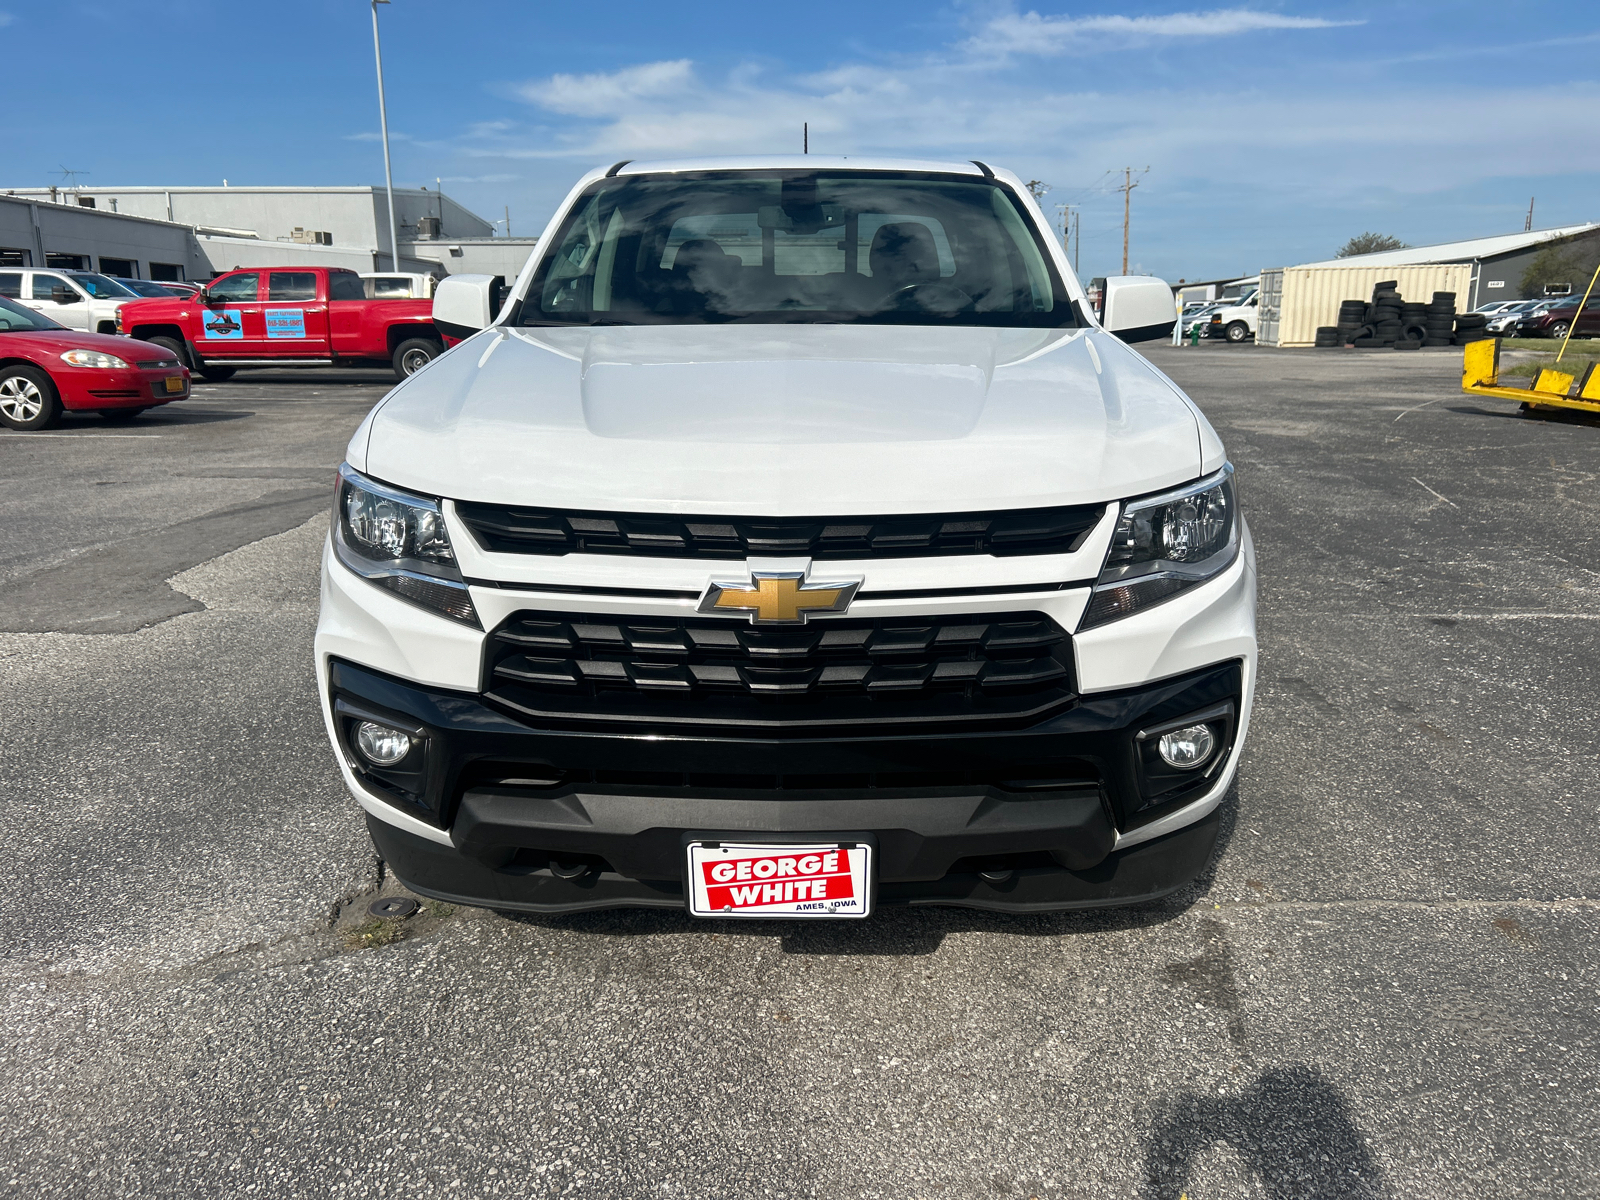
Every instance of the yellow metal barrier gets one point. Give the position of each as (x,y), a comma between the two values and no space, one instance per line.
(1480,376)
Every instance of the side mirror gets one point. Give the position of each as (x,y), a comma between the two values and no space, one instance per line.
(464,304)
(204,296)
(63,295)
(1139,308)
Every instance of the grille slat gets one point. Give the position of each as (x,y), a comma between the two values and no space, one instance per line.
(1055,775)
(512,530)
(944,668)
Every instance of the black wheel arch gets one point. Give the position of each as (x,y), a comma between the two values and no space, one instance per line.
(404,333)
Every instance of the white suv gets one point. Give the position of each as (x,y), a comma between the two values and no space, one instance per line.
(791,540)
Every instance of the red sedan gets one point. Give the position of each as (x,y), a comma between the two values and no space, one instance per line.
(47,369)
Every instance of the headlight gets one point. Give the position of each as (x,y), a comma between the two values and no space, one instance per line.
(91,358)
(398,541)
(1165,544)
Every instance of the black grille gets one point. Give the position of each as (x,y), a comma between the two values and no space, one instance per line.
(548,531)
(1057,775)
(705,670)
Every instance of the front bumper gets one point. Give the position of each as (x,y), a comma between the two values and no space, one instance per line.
(506,803)
(99,389)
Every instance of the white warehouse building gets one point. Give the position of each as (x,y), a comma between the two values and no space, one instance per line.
(226,227)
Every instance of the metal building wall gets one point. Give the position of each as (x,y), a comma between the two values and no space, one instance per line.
(1310,295)
(1269,304)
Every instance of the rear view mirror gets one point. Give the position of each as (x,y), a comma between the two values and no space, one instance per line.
(1139,308)
(464,304)
(63,295)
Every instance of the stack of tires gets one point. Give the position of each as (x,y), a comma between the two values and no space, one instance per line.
(1329,337)
(1439,318)
(1388,315)
(1389,321)
(1470,328)
(1352,316)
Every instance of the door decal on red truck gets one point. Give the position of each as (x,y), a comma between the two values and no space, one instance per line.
(222,324)
(286,323)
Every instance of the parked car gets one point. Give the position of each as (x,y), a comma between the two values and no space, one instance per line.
(1201,315)
(1235,322)
(1535,308)
(1506,319)
(148,288)
(47,369)
(1496,306)
(76,299)
(792,540)
(287,317)
(1558,318)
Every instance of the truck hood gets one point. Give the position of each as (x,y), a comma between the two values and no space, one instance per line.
(785,420)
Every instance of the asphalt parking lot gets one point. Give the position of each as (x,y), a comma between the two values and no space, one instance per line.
(1387,986)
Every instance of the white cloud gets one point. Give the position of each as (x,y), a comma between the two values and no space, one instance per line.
(601,93)
(6,19)
(1030,33)
(962,109)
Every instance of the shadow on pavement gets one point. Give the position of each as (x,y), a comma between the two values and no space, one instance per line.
(1292,1128)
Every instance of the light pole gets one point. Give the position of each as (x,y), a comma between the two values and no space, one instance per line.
(383,121)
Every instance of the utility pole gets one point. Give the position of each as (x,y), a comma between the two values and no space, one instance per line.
(1128,184)
(1077,238)
(383,122)
(508,220)
(1527,226)
(805,137)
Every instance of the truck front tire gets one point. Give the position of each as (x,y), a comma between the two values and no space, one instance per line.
(411,355)
(1238,331)
(179,350)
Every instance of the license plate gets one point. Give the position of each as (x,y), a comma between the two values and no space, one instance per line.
(174,384)
(741,879)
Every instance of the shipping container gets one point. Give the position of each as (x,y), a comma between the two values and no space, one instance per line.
(1296,300)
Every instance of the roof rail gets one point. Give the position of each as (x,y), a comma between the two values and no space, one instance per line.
(984,167)
(618,167)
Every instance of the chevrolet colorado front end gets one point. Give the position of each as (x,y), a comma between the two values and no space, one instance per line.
(793,540)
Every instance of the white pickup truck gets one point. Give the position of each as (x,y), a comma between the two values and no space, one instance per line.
(76,299)
(392,285)
(792,540)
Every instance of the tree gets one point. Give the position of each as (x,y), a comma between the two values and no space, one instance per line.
(1370,243)
(1561,264)
(1038,187)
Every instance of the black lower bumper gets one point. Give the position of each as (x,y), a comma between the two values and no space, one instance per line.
(569,819)
(1144,872)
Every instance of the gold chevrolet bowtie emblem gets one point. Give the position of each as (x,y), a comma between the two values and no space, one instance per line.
(778,597)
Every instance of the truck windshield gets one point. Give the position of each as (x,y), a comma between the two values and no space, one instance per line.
(102,287)
(713,247)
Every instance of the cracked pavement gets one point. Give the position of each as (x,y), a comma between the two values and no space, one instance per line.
(1388,985)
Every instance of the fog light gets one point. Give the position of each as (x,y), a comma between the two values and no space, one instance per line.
(383,747)
(1188,747)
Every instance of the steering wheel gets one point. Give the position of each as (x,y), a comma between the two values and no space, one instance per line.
(945,299)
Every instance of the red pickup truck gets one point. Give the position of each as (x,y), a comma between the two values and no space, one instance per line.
(286,317)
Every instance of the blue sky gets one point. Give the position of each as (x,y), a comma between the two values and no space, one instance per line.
(1273,130)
